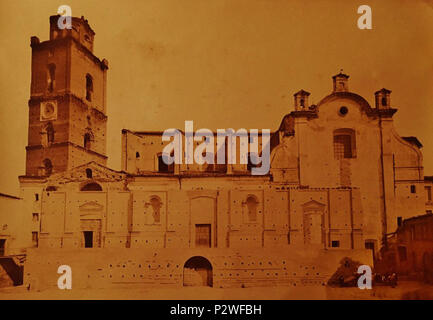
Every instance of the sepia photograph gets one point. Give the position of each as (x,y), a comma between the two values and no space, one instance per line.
(216,150)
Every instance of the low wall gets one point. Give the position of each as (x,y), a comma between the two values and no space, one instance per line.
(108,268)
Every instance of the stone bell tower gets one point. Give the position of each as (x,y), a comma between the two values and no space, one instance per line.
(67,106)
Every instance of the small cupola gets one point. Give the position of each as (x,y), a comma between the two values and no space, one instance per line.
(341,83)
(301,100)
(383,98)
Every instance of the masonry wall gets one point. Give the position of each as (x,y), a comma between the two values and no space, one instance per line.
(108,268)
(240,212)
(15,227)
(140,152)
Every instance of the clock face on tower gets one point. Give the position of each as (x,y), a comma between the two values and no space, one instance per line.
(48,110)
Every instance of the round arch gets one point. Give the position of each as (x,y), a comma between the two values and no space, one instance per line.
(91,186)
(197,271)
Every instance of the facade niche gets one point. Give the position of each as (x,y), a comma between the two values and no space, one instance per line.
(47,134)
(87,140)
(252,208)
(156,204)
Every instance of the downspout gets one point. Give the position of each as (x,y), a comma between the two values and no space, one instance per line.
(126,152)
(383,211)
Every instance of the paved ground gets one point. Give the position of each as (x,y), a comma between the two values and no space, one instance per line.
(405,290)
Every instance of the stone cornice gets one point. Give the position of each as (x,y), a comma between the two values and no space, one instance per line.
(67,95)
(48,44)
(65,143)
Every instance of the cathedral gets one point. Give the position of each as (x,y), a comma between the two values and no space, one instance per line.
(341,180)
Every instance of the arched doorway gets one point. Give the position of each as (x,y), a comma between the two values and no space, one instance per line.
(197,271)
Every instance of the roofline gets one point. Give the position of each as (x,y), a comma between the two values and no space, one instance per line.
(418,217)
(156,133)
(9,196)
(413,140)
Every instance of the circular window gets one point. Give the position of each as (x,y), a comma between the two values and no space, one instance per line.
(343,111)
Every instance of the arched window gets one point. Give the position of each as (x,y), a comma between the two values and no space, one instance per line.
(137,154)
(92,186)
(89,87)
(50,132)
(51,77)
(48,167)
(87,140)
(384,101)
(155,202)
(344,144)
(252,208)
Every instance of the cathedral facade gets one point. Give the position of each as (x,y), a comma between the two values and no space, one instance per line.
(341,180)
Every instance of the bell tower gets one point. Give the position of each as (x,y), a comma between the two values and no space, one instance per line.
(67,106)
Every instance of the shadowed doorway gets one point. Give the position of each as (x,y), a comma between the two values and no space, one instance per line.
(197,271)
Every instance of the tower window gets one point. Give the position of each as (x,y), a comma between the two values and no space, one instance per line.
(87,140)
(48,167)
(384,101)
(89,87)
(51,77)
(137,154)
(50,132)
(344,144)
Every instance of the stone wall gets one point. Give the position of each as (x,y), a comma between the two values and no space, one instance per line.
(109,267)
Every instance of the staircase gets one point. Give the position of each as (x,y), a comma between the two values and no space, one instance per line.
(14,268)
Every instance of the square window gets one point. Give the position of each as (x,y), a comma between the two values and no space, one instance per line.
(335,244)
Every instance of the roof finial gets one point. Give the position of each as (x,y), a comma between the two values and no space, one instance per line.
(341,70)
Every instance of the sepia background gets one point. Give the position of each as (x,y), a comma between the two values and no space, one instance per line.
(225,64)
